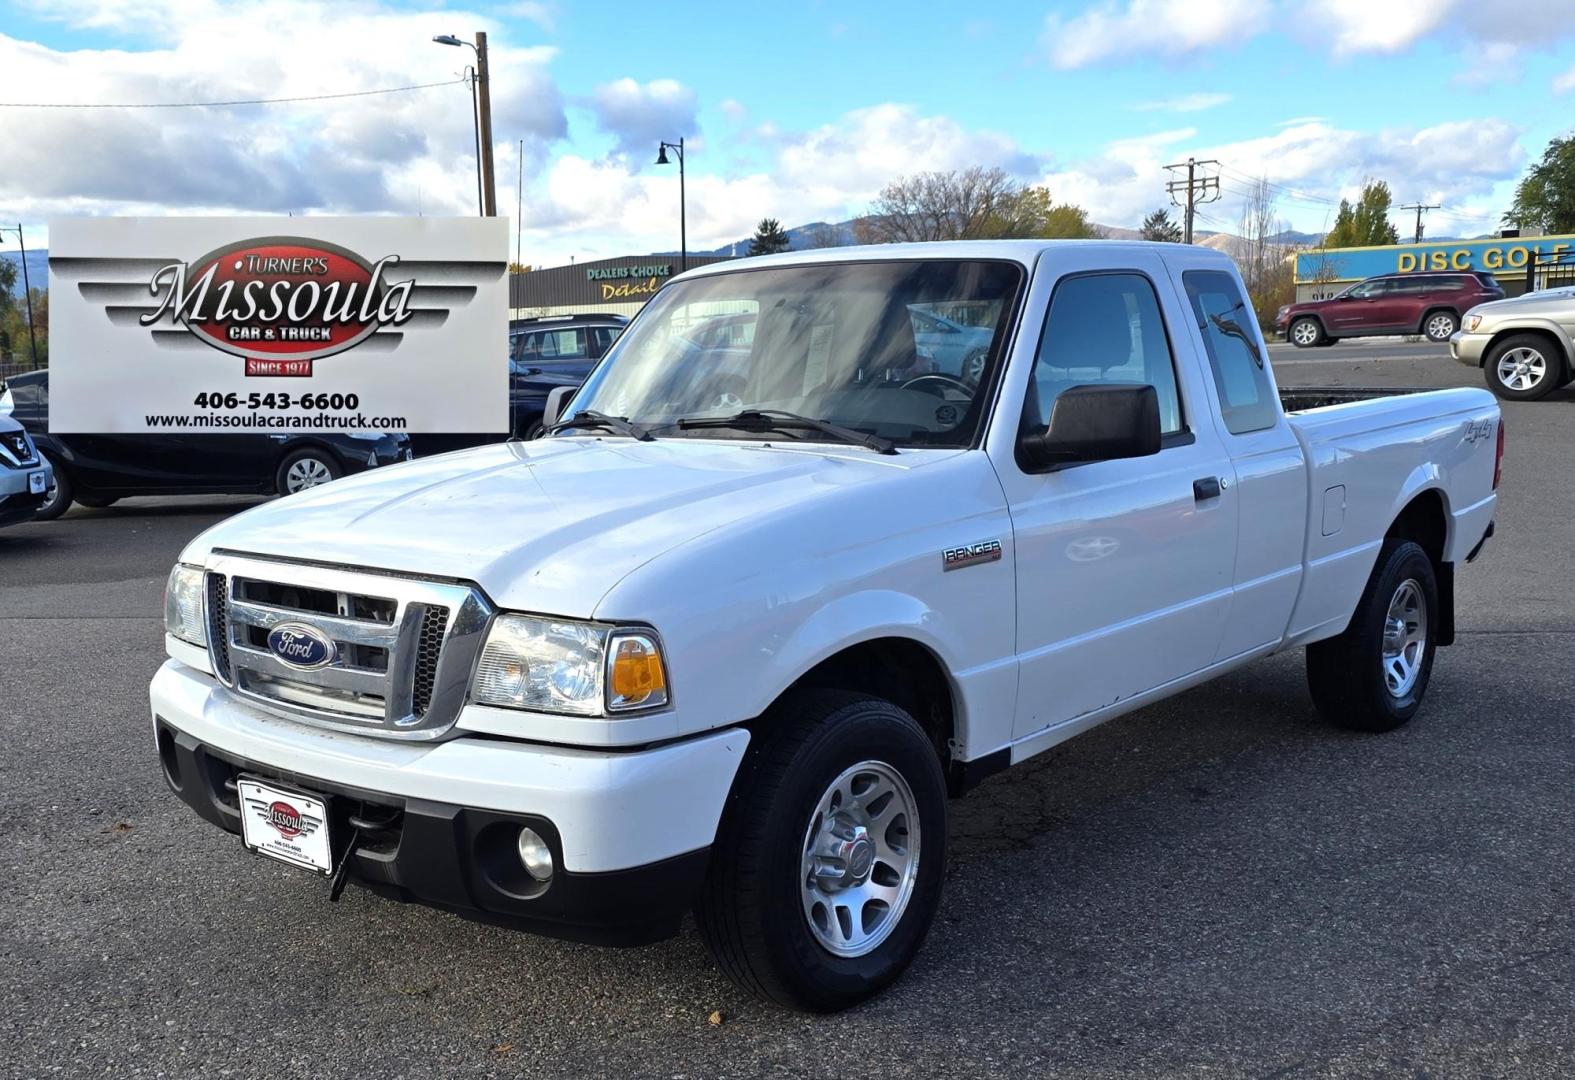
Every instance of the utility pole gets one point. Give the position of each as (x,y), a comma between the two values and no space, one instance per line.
(27,292)
(484,89)
(1195,190)
(519,208)
(1420,208)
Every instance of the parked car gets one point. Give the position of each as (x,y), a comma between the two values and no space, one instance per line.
(25,477)
(1524,346)
(99,470)
(1429,304)
(737,659)
(544,354)
(954,349)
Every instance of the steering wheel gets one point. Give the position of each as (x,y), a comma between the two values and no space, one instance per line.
(944,380)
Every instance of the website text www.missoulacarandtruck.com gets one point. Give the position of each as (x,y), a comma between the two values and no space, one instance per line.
(316,421)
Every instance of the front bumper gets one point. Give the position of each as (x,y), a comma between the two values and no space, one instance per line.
(1468,348)
(18,502)
(629,832)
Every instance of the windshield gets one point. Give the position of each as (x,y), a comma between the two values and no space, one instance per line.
(853,344)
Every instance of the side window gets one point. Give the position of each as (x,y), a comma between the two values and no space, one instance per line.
(1367,289)
(1103,328)
(1241,374)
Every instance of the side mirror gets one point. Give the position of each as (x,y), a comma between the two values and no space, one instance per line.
(557,400)
(1095,423)
(1343,296)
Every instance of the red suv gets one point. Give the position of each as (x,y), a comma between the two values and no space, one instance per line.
(1427,304)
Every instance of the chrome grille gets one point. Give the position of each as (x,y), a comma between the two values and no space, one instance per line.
(402,648)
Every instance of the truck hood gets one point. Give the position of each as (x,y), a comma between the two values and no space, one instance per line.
(549,525)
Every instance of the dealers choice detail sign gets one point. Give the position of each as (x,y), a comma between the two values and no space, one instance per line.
(267,325)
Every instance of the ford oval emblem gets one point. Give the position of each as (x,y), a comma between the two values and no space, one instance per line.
(301,646)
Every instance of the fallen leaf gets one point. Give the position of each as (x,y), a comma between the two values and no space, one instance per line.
(121,826)
(503,1048)
(716,1019)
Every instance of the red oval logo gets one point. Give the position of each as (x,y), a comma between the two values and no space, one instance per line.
(285,818)
(281,299)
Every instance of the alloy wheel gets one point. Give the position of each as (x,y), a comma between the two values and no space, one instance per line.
(1439,327)
(1521,369)
(1304,333)
(1405,638)
(860,859)
(309,472)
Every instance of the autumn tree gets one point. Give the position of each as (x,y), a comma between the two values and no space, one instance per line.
(1545,198)
(970,204)
(769,238)
(1162,227)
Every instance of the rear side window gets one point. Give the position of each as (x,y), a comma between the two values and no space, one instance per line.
(1103,328)
(1236,357)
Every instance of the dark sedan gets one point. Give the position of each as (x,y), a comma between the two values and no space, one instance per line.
(97,470)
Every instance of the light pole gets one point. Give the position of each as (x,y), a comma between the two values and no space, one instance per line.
(27,292)
(683,227)
(481,103)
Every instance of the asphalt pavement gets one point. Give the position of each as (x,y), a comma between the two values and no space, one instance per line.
(1218,885)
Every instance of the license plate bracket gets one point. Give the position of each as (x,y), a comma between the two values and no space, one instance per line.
(285,823)
(36,483)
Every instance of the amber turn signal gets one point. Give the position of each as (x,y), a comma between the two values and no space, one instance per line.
(636,678)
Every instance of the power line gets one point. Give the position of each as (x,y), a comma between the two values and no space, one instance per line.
(1420,209)
(218,104)
(1195,189)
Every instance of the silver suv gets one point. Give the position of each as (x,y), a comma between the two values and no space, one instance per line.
(1525,346)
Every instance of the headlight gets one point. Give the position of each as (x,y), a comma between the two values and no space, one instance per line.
(183,605)
(7,400)
(561,666)
(1470,323)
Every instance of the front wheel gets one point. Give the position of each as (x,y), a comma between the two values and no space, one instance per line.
(306,469)
(1373,676)
(827,869)
(58,499)
(1523,368)
(1306,333)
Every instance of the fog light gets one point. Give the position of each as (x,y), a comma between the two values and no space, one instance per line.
(535,856)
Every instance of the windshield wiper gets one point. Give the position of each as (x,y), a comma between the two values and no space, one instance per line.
(781,420)
(586,418)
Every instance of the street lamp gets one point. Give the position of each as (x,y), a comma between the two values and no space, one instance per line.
(683,228)
(27,291)
(481,112)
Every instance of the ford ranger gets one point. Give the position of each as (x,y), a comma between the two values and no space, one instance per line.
(728,637)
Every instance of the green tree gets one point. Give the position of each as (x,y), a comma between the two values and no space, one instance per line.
(1545,199)
(769,238)
(1162,227)
(1365,224)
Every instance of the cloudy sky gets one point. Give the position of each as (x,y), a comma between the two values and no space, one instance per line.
(796,111)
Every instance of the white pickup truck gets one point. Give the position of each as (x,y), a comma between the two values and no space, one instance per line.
(729,637)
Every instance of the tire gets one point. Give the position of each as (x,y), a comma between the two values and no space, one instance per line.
(97,502)
(1305,332)
(1524,367)
(60,493)
(306,469)
(1369,679)
(1438,325)
(763,923)
(972,367)
(534,431)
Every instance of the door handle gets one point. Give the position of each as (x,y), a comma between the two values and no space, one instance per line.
(1208,487)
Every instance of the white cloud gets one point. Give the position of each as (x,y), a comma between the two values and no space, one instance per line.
(1121,30)
(1313,164)
(390,153)
(639,116)
(1387,27)
(1565,82)
(1184,103)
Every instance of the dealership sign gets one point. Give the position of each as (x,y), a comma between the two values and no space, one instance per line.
(1505,255)
(270,323)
